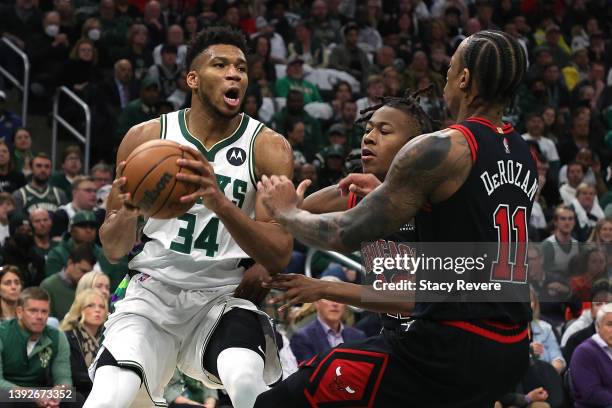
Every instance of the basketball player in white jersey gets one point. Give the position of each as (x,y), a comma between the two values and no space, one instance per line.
(179,309)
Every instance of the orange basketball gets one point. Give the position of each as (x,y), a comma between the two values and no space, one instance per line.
(150,171)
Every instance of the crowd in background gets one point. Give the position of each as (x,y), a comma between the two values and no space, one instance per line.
(313,66)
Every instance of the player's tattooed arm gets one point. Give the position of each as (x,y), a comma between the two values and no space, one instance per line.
(429,168)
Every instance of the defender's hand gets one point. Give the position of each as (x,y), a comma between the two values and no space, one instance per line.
(250,287)
(359,183)
(299,289)
(278,196)
(204,179)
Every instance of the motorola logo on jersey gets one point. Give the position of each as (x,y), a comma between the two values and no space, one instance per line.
(236,156)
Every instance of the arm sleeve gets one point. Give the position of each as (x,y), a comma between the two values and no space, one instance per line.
(60,369)
(4,384)
(53,264)
(301,347)
(587,378)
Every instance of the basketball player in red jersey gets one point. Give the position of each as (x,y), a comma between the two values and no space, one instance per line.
(453,354)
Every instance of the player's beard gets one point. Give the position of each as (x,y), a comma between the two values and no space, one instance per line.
(211,107)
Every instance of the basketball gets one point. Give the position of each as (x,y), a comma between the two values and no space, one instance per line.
(150,171)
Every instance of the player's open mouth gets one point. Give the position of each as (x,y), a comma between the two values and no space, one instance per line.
(367,154)
(232,97)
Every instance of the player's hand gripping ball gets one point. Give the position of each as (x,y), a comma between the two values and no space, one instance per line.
(150,172)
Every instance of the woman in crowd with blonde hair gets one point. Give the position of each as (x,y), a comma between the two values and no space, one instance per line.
(83,326)
(602,237)
(11,285)
(94,280)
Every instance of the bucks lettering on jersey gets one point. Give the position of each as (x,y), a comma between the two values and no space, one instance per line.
(195,250)
(49,199)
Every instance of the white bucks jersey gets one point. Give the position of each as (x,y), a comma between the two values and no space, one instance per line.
(195,250)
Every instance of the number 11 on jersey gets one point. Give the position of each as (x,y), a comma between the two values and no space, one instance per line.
(504,269)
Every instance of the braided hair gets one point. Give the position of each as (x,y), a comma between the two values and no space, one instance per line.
(497,64)
(409,104)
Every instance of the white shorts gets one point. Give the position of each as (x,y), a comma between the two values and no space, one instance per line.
(158,327)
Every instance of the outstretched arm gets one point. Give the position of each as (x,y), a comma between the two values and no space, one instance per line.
(430,168)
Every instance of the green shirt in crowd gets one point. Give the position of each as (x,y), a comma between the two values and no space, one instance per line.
(58,179)
(284,85)
(61,291)
(47,365)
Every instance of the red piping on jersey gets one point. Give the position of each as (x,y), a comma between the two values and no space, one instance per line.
(503,326)
(467,133)
(506,128)
(352,200)
(500,338)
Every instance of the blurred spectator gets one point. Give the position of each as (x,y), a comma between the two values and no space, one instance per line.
(578,70)
(336,135)
(114,28)
(185,392)
(326,332)
(587,210)
(252,103)
(61,286)
(33,354)
(125,8)
(154,22)
(22,153)
(392,81)
(48,50)
(174,37)
(348,57)
(68,20)
(20,20)
(308,171)
(296,132)
(591,365)
(591,170)
(38,193)
(167,72)
(294,110)
(41,223)
(306,47)
(551,289)
(484,14)
(262,48)
(81,73)
(19,250)
(552,125)
(575,177)
(83,327)
(84,229)
(601,236)
(97,280)
(11,286)
(553,40)
(84,199)
(419,69)
(560,247)
(7,204)
(556,90)
(92,30)
(535,132)
(278,49)
(591,266)
(325,29)
(295,81)
(190,28)
(9,122)
(141,109)
(341,92)
(367,17)
(231,17)
(584,327)
(10,179)
(354,131)
(101,175)
(333,165)
(440,60)
(579,137)
(543,341)
(375,90)
(71,168)
(136,50)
